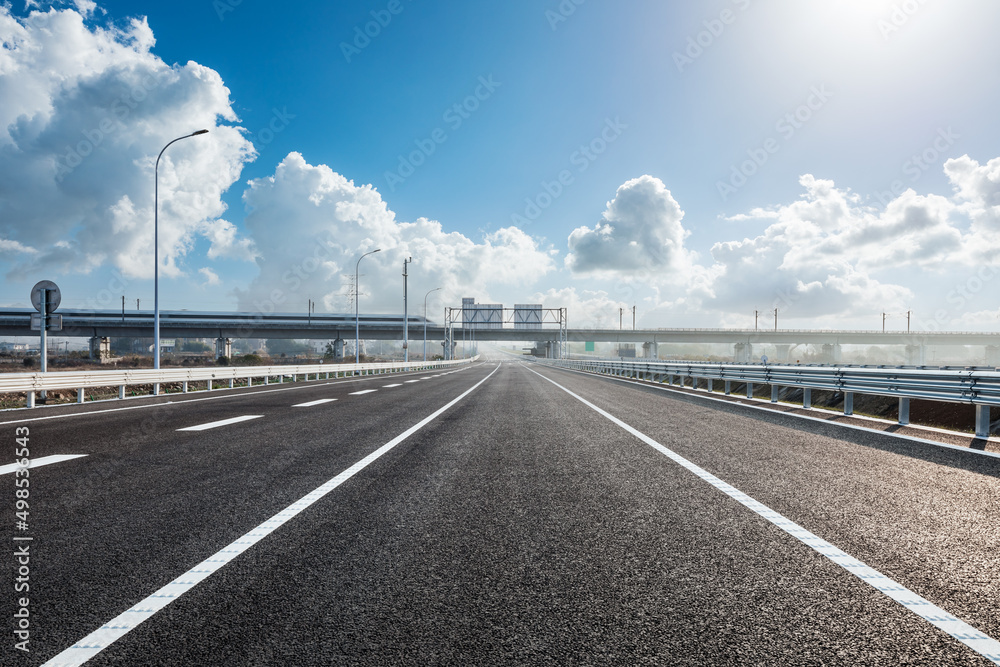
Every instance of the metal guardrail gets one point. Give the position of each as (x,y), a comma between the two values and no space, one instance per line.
(975,387)
(32,383)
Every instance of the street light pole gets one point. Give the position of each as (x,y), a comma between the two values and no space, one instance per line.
(425,320)
(406,315)
(357,319)
(156,253)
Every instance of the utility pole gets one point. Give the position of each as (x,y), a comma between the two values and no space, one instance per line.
(883,322)
(775,319)
(406,320)
(621,314)
(908,321)
(633,318)
(756,314)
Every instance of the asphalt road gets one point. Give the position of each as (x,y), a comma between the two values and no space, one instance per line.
(521,524)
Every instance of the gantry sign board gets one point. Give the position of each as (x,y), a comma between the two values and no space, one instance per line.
(48,291)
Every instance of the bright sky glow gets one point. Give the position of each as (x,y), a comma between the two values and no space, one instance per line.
(834,160)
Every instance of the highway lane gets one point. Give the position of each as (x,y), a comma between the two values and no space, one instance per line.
(519,527)
(148,501)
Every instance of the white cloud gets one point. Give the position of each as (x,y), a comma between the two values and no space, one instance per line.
(209,277)
(85,113)
(310,225)
(639,236)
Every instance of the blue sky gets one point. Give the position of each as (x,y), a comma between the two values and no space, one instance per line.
(697,160)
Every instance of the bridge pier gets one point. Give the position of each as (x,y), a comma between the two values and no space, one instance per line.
(100,348)
(223,348)
(915,355)
(993,355)
(832,353)
(649,350)
(781,353)
(742,353)
(338,349)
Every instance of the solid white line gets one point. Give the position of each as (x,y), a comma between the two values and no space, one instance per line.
(36,463)
(312,403)
(936,616)
(389,386)
(363,391)
(738,400)
(118,627)
(221,422)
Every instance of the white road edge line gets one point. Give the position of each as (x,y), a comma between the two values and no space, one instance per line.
(741,401)
(980,643)
(118,627)
(37,463)
(221,422)
(312,403)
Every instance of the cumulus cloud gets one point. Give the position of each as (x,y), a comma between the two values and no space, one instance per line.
(310,226)
(86,111)
(640,235)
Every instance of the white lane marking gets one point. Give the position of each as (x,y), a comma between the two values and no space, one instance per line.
(427,378)
(363,391)
(312,403)
(936,616)
(225,395)
(118,627)
(409,381)
(705,396)
(36,463)
(389,386)
(221,422)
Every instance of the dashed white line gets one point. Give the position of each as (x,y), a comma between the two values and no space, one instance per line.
(936,616)
(409,381)
(363,391)
(221,422)
(389,386)
(118,627)
(43,461)
(312,403)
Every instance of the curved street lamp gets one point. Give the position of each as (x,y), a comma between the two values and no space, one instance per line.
(357,320)
(425,320)
(156,253)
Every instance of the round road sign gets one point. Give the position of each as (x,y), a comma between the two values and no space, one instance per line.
(53,293)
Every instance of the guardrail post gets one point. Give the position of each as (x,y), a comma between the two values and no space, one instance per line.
(231,383)
(80,395)
(904,411)
(728,387)
(210,384)
(31,399)
(184,386)
(807,398)
(749,389)
(774,393)
(848,403)
(708,381)
(156,389)
(121,392)
(982,421)
(267,380)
